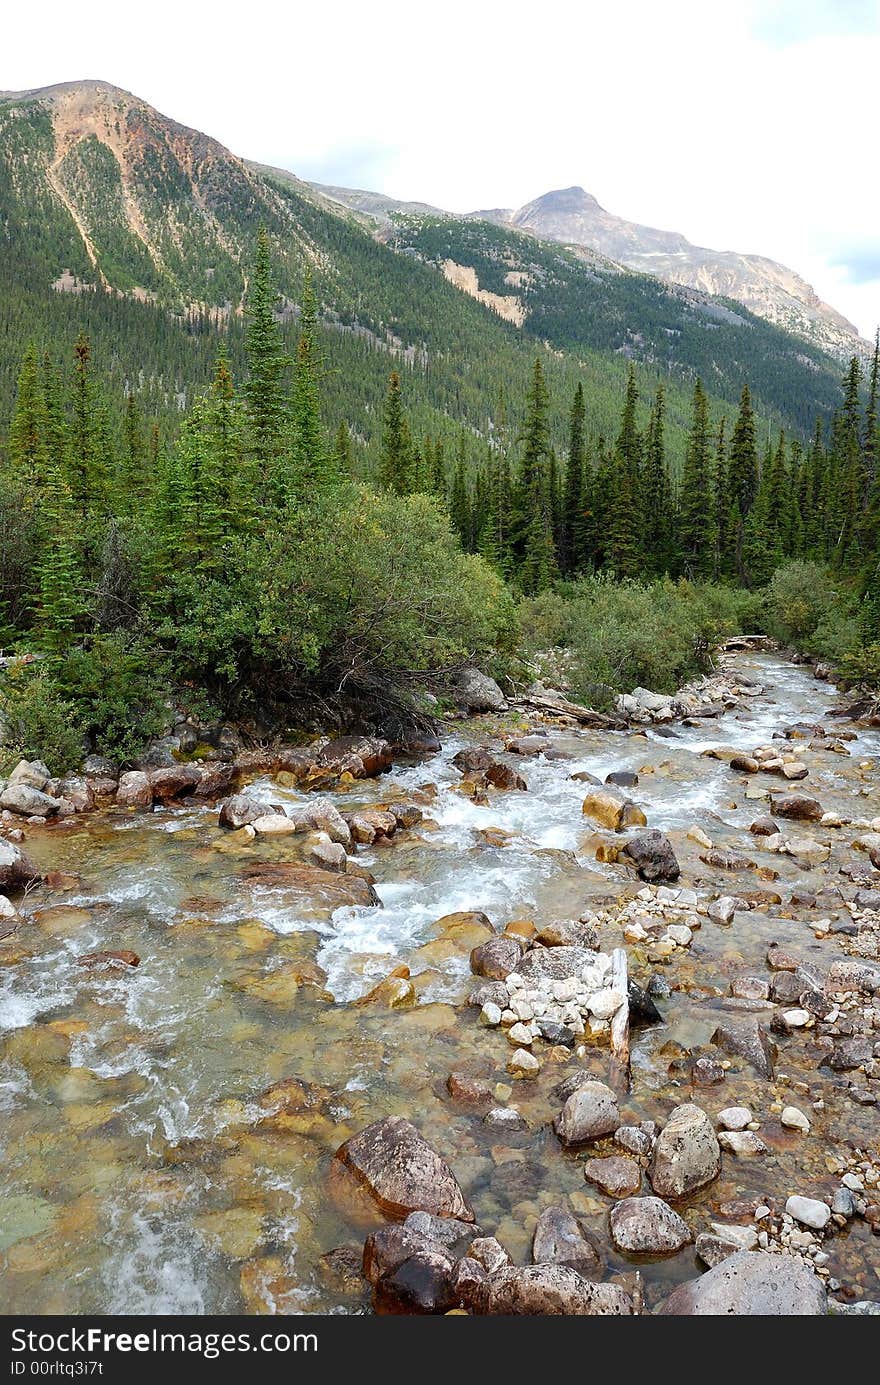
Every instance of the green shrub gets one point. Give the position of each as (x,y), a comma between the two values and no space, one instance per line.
(800,598)
(621,635)
(36,722)
(118,690)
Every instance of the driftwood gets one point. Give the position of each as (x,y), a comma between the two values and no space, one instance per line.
(560,706)
(620,1067)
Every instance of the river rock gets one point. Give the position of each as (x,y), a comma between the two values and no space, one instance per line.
(723,908)
(809,1211)
(752,1283)
(568,933)
(402,1172)
(496,958)
(16,870)
(611,811)
(548,1290)
(240,811)
(616,1175)
(734,1118)
(174,781)
(560,1240)
(652,854)
(745,1144)
(521,1063)
(793,1118)
(623,778)
(135,790)
(647,1226)
(422,1283)
(476,692)
(797,806)
(502,776)
(555,963)
(320,815)
(363,757)
(686,1155)
(28,801)
(747,1039)
(588,1114)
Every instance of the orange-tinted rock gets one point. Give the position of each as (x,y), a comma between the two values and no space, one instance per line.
(401,1172)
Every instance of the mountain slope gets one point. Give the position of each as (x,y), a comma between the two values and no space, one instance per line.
(115,218)
(772,291)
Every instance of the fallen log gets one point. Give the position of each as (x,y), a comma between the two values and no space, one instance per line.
(620,1065)
(560,706)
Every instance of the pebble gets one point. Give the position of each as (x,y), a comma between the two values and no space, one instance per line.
(490,1015)
(745,1144)
(523,1064)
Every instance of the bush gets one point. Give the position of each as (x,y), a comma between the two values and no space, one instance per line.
(800,599)
(622,635)
(117,687)
(365,597)
(36,723)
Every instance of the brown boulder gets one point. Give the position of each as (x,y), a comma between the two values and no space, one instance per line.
(401,1172)
(361,756)
(496,958)
(797,806)
(331,888)
(134,790)
(117,961)
(174,782)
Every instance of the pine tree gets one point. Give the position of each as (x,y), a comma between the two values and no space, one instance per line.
(656,490)
(697,506)
(313,468)
(131,478)
(62,604)
(343,452)
(265,389)
(27,441)
(395,462)
(572,515)
(87,469)
(742,476)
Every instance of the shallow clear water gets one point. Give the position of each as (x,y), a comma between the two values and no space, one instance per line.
(131,1136)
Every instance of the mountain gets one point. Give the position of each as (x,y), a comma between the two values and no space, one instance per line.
(116,219)
(573,217)
(772,291)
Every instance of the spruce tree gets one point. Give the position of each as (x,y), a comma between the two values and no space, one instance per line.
(265,389)
(395,461)
(572,515)
(27,440)
(697,505)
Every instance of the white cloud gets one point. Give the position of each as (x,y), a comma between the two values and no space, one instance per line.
(747,125)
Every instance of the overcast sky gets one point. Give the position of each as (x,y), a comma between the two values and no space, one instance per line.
(746,124)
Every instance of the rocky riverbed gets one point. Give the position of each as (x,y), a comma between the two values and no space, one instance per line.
(561,1018)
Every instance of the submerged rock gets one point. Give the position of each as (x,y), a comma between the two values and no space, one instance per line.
(16,869)
(560,1240)
(747,1039)
(402,1172)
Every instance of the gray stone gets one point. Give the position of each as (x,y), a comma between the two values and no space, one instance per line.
(560,1240)
(588,1114)
(752,1283)
(548,1289)
(28,801)
(809,1211)
(652,855)
(648,1226)
(747,1039)
(686,1154)
(476,692)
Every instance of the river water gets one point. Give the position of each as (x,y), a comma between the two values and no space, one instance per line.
(138,1171)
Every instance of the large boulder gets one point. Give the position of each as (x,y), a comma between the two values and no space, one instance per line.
(559,1240)
(648,1226)
(30,802)
(174,781)
(547,1289)
(361,756)
(588,1114)
(686,1154)
(16,871)
(612,811)
(473,760)
(33,773)
(652,855)
(476,692)
(401,1172)
(752,1283)
(134,790)
(496,958)
(555,963)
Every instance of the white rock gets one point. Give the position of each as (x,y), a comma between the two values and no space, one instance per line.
(745,1144)
(520,1035)
(273,825)
(793,1119)
(605,1003)
(746,1237)
(7,908)
(809,1212)
(796,1019)
(734,1118)
(723,908)
(678,933)
(523,1064)
(696,834)
(521,1008)
(490,1015)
